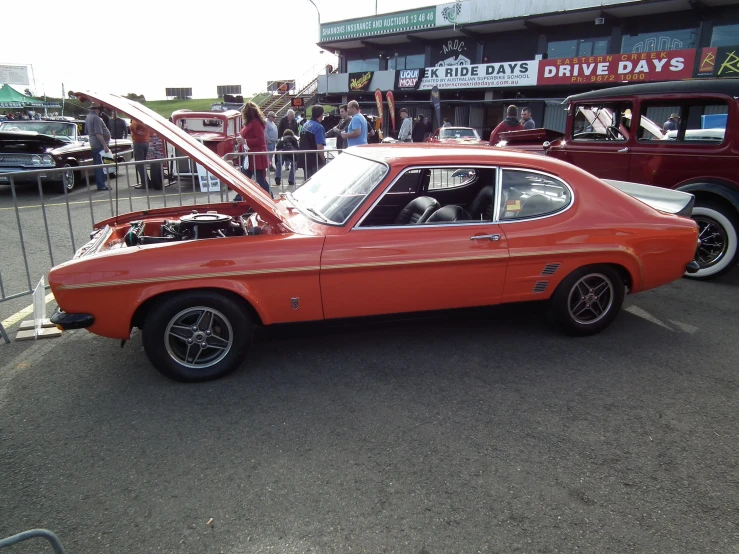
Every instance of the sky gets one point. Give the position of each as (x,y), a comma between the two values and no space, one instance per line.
(144,46)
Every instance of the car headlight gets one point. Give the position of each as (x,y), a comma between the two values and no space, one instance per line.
(47,160)
(36,160)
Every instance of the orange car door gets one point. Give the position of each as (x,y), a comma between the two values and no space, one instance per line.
(413,267)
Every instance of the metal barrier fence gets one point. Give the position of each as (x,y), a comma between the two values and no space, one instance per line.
(41,227)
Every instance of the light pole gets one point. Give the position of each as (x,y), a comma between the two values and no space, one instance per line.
(319,18)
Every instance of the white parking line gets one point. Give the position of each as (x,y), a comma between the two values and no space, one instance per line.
(28,310)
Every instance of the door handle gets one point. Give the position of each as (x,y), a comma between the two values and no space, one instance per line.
(483,237)
(623,150)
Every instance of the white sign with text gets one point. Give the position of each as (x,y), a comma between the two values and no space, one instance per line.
(486,75)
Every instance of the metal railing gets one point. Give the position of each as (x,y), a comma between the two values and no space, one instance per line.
(33,534)
(42,227)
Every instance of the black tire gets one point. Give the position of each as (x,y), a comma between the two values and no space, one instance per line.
(69,178)
(168,327)
(719,230)
(579,308)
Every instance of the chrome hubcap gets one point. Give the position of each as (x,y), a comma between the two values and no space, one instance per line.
(198,337)
(68,178)
(714,242)
(590,298)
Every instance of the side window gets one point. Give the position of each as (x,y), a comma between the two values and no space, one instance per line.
(657,119)
(694,122)
(447,178)
(526,194)
(602,122)
(706,123)
(406,184)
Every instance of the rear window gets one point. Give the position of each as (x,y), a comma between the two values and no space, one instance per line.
(526,194)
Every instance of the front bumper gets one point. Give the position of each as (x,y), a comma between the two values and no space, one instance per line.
(65,321)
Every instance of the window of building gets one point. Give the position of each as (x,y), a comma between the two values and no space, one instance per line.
(414,61)
(574,48)
(725,35)
(607,121)
(355,66)
(659,41)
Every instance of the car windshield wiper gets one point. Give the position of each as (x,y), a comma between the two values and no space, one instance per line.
(316,212)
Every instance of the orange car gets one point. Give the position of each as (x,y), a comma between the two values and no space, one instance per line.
(378,230)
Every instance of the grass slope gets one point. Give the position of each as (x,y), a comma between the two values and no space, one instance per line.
(166,107)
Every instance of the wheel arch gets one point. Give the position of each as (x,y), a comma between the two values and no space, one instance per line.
(138,318)
(713,190)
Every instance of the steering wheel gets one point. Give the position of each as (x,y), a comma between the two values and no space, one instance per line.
(614,133)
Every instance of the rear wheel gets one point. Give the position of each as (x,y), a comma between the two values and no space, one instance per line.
(196,336)
(588,300)
(717,230)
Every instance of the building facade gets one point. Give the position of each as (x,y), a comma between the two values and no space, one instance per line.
(485,55)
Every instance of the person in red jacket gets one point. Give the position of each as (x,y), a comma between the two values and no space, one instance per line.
(253,135)
(510,123)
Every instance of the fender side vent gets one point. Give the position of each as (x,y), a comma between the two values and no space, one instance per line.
(550,269)
(541,286)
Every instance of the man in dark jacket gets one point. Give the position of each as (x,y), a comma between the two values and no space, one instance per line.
(118,127)
(419,129)
(287,122)
(510,123)
(340,128)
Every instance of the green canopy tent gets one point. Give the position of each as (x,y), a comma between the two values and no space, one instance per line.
(11,98)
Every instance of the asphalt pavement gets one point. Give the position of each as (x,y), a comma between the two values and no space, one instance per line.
(473,431)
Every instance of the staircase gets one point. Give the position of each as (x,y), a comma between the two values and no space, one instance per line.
(305,87)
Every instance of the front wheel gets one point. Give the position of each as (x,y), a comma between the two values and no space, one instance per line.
(717,231)
(588,300)
(196,336)
(69,178)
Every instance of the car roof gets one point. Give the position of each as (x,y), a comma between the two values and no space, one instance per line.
(207,115)
(430,153)
(721,86)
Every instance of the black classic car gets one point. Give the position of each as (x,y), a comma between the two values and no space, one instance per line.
(29,145)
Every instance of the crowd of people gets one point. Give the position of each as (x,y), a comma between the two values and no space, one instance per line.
(274,147)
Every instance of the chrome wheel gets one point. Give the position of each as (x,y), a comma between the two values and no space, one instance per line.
(590,298)
(714,242)
(198,337)
(68,177)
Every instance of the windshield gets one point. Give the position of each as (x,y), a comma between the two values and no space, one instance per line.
(200,125)
(63,131)
(332,194)
(459,133)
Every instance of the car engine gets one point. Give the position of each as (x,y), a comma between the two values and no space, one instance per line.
(193,226)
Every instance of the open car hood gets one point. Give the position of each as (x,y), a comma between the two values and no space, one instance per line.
(227,173)
(29,137)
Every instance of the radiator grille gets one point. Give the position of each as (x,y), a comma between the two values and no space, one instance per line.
(15,159)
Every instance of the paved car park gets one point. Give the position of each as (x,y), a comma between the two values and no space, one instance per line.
(474,431)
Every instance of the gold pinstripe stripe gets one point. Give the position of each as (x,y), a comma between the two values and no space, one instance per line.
(502,254)
(186,277)
(496,255)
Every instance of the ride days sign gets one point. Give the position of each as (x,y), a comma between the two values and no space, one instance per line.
(669,65)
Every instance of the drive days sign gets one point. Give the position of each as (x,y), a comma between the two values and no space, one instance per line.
(486,75)
(616,68)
